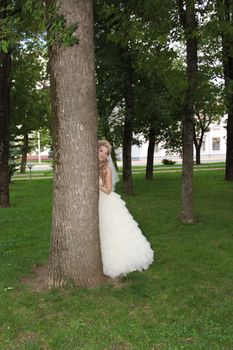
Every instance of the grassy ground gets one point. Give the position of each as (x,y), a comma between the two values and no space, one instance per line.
(135,169)
(184,301)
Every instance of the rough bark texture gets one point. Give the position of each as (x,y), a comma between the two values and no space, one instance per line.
(5,67)
(226,15)
(150,155)
(75,248)
(128,126)
(24,154)
(188,20)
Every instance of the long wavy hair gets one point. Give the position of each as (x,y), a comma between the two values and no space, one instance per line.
(103,164)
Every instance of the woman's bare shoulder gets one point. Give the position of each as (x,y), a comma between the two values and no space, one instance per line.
(109,170)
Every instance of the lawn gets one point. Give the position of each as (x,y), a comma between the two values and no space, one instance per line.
(184,301)
(136,169)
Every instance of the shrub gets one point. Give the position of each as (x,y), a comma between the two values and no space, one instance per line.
(168,162)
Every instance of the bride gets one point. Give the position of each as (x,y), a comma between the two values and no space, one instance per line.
(123,247)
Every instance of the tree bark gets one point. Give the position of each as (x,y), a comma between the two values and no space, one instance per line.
(128,125)
(24,154)
(198,145)
(198,155)
(75,247)
(229,152)
(187,171)
(5,84)
(225,15)
(188,20)
(150,155)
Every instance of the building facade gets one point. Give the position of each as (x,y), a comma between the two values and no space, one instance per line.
(213,147)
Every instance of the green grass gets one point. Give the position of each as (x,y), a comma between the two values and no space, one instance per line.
(158,167)
(35,173)
(184,301)
(135,168)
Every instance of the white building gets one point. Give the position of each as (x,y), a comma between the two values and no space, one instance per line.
(213,147)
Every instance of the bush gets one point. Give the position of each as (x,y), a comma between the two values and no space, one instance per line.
(168,162)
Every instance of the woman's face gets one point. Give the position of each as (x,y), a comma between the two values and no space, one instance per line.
(103,153)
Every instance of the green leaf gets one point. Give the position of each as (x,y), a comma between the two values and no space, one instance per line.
(4,46)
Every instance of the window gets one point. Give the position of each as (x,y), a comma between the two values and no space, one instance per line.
(216,143)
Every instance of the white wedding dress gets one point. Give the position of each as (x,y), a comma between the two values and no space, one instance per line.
(124,248)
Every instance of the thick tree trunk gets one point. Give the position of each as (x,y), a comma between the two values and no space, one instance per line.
(225,15)
(128,126)
(75,248)
(24,154)
(188,20)
(5,83)
(150,155)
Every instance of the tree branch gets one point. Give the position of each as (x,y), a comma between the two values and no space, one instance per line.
(180,5)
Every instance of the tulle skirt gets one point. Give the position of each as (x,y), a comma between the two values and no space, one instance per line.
(124,248)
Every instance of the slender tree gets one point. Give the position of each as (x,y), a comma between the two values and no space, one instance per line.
(75,247)
(15,19)
(201,127)
(128,122)
(30,92)
(5,84)
(225,15)
(187,14)
(150,154)
(114,22)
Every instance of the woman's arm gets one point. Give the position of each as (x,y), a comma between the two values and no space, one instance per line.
(107,188)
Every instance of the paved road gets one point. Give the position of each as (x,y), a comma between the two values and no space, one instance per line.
(41,167)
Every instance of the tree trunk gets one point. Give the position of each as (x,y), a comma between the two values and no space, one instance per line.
(225,15)
(188,20)
(24,154)
(150,155)
(75,247)
(229,153)
(5,83)
(197,148)
(128,125)
(187,171)
(198,155)
(114,158)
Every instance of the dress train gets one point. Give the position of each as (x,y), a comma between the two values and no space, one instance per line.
(123,246)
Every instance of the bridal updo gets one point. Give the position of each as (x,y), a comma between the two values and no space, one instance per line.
(103,164)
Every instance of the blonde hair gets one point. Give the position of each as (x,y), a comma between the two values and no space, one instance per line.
(104,163)
(106,144)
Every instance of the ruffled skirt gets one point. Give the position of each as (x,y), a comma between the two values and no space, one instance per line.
(124,248)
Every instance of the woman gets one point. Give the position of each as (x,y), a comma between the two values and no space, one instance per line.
(123,246)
